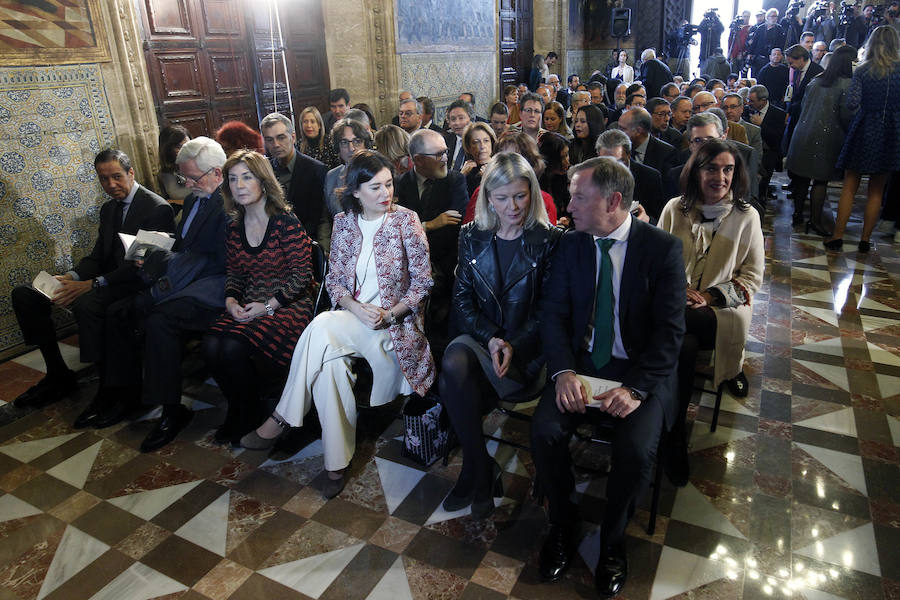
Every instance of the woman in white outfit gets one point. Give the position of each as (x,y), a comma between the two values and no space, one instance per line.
(623,70)
(379,274)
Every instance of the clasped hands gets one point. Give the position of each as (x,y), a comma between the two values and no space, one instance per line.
(244,313)
(572,397)
(372,316)
(697,299)
(501,355)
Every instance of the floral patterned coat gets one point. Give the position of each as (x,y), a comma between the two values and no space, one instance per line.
(404,275)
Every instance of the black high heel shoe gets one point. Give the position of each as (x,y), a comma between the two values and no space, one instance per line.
(835,244)
(864,246)
(482,508)
(254,441)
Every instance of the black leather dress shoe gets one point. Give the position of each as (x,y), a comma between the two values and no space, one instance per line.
(113,414)
(611,572)
(89,415)
(170,424)
(48,390)
(556,554)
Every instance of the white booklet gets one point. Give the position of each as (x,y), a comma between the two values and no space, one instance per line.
(137,245)
(46,284)
(594,386)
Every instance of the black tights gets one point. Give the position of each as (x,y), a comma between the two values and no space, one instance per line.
(700,334)
(242,375)
(464,392)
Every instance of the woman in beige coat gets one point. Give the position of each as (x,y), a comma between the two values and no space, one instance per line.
(723,258)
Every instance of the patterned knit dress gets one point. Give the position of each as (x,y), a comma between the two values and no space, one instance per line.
(280,267)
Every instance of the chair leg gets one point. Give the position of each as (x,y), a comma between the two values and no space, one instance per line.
(654,498)
(715,418)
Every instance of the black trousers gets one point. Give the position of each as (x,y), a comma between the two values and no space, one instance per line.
(634,447)
(93,311)
(166,329)
(700,334)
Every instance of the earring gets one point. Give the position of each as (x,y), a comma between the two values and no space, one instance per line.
(491,208)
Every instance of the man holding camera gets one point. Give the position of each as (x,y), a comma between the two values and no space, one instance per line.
(737,41)
(820,22)
(768,36)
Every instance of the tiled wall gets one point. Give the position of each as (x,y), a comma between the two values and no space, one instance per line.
(53,121)
(443,76)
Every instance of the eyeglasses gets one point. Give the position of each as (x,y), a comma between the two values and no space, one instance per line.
(347,143)
(700,140)
(183,179)
(530,111)
(703,106)
(661,113)
(434,155)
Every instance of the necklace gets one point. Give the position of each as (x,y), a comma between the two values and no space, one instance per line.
(360,282)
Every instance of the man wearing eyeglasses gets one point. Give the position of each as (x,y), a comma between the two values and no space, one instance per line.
(660,113)
(101,282)
(347,136)
(438,195)
(646,149)
(703,101)
(186,295)
(301,177)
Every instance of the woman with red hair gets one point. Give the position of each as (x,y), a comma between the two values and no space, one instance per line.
(236,135)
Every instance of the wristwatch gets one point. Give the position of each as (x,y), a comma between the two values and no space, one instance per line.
(635,395)
(95,283)
(269,310)
(394,320)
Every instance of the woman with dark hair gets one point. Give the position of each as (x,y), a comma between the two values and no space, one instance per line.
(872,144)
(722,247)
(555,180)
(818,137)
(379,274)
(503,258)
(555,120)
(268,292)
(236,135)
(587,124)
(479,143)
(511,99)
(314,141)
(622,71)
(171,139)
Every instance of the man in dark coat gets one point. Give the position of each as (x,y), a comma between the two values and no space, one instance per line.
(622,322)
(654,72)
(101,284)
(771,121)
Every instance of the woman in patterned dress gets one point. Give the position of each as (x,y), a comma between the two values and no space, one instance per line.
(872,144)
(379,274)
(268,293)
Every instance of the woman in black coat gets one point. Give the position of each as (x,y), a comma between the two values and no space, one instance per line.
(504,255)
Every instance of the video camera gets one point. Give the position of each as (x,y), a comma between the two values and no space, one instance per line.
(847,12)
(819,9)
(737,24)
(794,8)
(710,19)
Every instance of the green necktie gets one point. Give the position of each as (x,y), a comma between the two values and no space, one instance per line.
(603,313)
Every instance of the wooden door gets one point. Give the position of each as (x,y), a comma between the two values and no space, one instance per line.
(198,59)
(300,46)
(516,41)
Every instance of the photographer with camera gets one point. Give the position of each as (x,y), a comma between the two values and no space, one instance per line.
(792,23)
(677,42)
(820,22)
(711,30)
(739,30)
(767,36)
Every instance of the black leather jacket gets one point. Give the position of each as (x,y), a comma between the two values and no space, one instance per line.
(485,309)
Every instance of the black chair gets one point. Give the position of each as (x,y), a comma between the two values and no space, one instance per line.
(320,270)
(707,359)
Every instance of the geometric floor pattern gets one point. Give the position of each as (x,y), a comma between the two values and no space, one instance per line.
(797,493)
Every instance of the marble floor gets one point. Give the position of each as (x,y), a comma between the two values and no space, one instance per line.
(795,495)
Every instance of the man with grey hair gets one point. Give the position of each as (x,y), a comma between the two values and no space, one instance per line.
(613,309)
(648,190)
(645,148)
(410,115)
(301,177)
(186,295)
(654,72)
(579,99)
(704,101)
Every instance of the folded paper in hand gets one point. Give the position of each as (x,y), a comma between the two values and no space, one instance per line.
(137,245)
(46,284)
(594,386)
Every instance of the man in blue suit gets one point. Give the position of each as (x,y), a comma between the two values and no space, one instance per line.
(622,320)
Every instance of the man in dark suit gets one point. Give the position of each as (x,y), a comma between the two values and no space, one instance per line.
(775,76)
(428,114)
(770,120)
(459,115)
(338,105)
(645,148)
(101,284)
(439,197)
(301,177)
(613,308)
(186,296)
(660,112)
(648,188)
(654,72)
(803,69)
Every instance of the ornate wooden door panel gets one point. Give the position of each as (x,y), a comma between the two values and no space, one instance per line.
(516,40)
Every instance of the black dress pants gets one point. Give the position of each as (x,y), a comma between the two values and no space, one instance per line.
(634,447)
